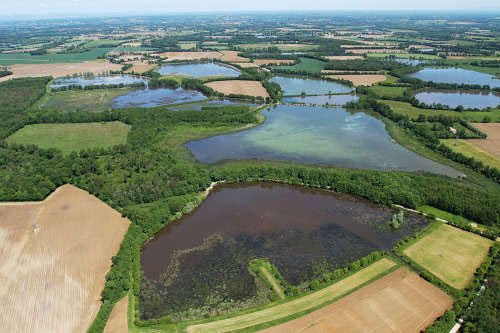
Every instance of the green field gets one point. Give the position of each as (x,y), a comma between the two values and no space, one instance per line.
(281,47)
(470,150)
(404,55)
(383,91)
(187,45)
(103,42)
(305,65)
(451,254)
(72,137)
(413,112)
(96,100)
(457,219)
(299,305)
(25,58)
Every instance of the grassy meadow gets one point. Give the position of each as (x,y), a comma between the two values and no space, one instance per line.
(471,150)
(69,137)
(451,254)
(304,65)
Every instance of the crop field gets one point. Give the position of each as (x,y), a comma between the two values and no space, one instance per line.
(281,47)
(72,136)
(239,87)
(61,69)
(360,79)
(453,255)
(308,65)
(405,55)
(299,305)
(55,255)
(232,56)
(398,302)
(492,143)
(171,56)
(470,148)
(343,58)
(263,62)
(96,100)
(26,58)
(413,112)
(118,321)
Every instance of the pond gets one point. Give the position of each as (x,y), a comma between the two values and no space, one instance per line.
(202,259)
(456,75)
(294,86)
(85,81)
(321,99)
(312,134)
(198,106)
(147,98)
(467,99)
(199,70)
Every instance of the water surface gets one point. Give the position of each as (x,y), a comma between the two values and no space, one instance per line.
(456,75)
(467,99)
(199,70)
(147,98)
(312,134)
(85,81)
(322,99)
(293,86)
(205,255)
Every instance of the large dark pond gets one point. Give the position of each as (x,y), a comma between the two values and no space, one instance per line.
(312,134)
(147,98)
(205,255)
(467,99)
(199,70)
(456,75)
(85,81)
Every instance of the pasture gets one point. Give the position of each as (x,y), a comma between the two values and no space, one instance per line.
(69,137)
(7,59)
(451,254)
(55,254)
(239,87)
(413,112)
(308,65)
(492,143)
(470,148)
(264,62)
(398,302)
(386,91)
(299,305)
(96,100)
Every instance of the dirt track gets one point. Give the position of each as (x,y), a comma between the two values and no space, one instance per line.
(492,143)
(239,87)
(399,302)
(53,259)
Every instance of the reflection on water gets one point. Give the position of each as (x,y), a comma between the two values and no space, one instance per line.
(456,75)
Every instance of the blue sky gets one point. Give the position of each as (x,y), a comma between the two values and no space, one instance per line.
(58,8)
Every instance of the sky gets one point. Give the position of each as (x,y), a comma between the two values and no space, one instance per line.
(10,9)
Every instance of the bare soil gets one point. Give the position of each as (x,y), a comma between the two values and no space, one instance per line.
(361,79)
(54,256)
(492,143)
(399,302)
(118,321)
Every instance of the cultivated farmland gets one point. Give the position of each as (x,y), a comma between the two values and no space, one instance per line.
(492,143)
(360,79)
(54,256)
(171,56)
(453,255)
(239,87)
(70,137)
(61,69)
(308,302)
(118,321)
(398,302)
